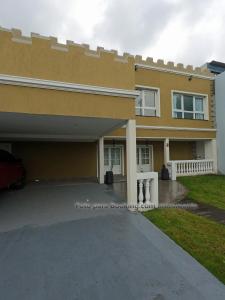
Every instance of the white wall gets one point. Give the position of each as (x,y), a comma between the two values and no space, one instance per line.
(220,120)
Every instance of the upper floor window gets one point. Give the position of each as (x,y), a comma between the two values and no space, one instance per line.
(147,103)
(187,106)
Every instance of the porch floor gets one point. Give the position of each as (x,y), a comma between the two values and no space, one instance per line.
(169,191)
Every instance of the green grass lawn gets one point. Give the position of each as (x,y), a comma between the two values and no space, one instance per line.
(208,189)
(202,238)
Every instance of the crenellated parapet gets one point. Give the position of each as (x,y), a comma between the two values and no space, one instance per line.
(100,52)
(160,64)
(52,42)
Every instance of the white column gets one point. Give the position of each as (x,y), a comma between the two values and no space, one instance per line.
(166,151)
(211,152)
(131,164)
(101,160)
(214,154)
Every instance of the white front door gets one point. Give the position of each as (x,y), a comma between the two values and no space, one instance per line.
(144,158)
(113,159)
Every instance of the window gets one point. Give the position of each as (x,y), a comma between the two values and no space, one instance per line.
(147,103)
(191,107)
(145,155)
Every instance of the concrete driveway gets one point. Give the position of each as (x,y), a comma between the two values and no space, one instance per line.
(50,249)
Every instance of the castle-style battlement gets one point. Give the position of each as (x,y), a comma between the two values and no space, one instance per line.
(52,42)
(160,64)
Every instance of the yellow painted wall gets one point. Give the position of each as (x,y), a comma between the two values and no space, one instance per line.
(167,82)
(150,133)
(40,61)
(57,161)
(181,150)
(42,101)
(158,155)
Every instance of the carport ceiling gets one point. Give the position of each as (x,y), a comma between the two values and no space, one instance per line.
(18,126)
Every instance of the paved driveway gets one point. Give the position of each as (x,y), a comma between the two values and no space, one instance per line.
(51,250)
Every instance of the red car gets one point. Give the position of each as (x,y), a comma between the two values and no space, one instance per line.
(12,172)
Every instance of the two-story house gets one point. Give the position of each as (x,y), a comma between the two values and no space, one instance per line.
(70,112)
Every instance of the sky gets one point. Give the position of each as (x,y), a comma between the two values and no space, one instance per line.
(183,31)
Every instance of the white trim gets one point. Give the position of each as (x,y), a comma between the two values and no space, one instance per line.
(157,138)
(58,137)
(131,165)
(174,128)
(174,71)
(205,104)
(101,159)
(166,147)
(97,162)
(65,86)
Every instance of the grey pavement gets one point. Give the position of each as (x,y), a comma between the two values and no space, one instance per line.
(58,251)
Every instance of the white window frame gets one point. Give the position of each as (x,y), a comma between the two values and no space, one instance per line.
(205,105)
(156,108)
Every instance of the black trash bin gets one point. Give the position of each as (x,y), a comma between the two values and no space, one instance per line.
(109,177)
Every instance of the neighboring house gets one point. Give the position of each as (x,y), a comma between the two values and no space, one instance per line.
(218,68)
(71,112)
(215,67)
(220,120)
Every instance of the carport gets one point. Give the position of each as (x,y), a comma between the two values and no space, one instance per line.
(59,148)
(56,147)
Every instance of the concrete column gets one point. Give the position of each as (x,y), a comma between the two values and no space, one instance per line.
(166,151)
(101,160)
(131,164)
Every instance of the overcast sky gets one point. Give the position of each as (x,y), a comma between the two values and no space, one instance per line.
(187,31)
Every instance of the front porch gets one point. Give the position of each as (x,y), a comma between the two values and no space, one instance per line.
(183,157)
(151,154)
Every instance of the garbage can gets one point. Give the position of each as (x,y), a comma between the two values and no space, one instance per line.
(109,177)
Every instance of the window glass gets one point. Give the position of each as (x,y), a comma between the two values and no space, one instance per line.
(188,106)
(199,116)
(145,155)
(188,103)
(149,98)
(146,103)
(177,114)
(198,104)
(115,156)
(106,156)
(5,156)
(149,112)
(177,101)
(138,111)
(188,115)
(138,101)
(137,154)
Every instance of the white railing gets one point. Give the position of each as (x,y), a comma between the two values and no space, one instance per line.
(190,167)
(147,185)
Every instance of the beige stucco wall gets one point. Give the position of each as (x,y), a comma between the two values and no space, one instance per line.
(57,161)
(181,150)
(167,82)
(42,101)
(39,60)
(153,133)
